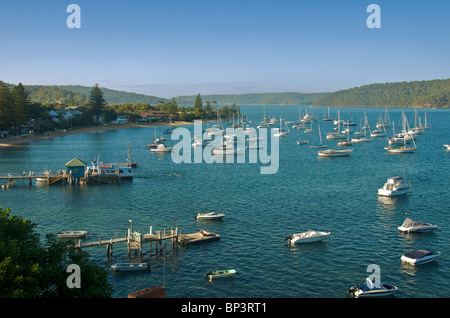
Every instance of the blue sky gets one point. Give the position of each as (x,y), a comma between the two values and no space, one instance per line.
(170,48)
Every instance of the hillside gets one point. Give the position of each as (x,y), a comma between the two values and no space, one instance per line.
(79,94)
(433,93)
(288,98)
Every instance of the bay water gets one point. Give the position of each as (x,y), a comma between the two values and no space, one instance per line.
(307,192)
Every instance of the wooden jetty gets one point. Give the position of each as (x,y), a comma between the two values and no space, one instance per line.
(136,240)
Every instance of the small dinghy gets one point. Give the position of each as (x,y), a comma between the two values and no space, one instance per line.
(209,216)
(416,226)
(220,274)
(368,289)
(131,267)
(71,234)
(418,257)
(307,237)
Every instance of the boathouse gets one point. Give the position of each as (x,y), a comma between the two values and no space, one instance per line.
(75,169)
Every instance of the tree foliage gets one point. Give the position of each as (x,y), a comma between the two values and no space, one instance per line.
(29,269)
(433,93)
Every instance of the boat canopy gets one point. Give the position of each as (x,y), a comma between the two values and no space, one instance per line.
(418,254)
(410,223)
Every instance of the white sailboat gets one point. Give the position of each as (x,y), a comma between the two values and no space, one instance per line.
(337,135)
(321,145)
(403,148)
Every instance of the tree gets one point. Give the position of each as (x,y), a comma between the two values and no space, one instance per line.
(6,110)
(96,101)
(29,269)
(21,105)
(198,101)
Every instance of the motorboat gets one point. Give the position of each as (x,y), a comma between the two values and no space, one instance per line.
(161,148)
(394,186)
(302,142)
(108,171)
(220,274)
(416,226)
(71,234)
(130,267)
(209,216)
(368,289)
(447,146)
(334,153)
(345,143)
(8,185)
(307,237)
(420,257)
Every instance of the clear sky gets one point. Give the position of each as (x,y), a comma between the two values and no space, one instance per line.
(169,48)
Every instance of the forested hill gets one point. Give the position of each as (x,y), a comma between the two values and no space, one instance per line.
(76,94)
(288,98)
(433,93)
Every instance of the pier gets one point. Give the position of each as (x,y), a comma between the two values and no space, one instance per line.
(135,240)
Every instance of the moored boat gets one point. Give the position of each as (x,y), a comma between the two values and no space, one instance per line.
(71,234)
(209,216)
(161,148)
(307,237)
(334,153)
(418,257)
(394,186)
(416,226)
(130,267)
(368,289)
(447,146)
(220,274)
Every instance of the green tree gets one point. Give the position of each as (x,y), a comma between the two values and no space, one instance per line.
(21,105)
(6,110)
(29,269)
(96,101)
(198,101)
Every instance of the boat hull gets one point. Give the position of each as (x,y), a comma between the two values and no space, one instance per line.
(301,238)
(132,267)
(431,256)
(383,291)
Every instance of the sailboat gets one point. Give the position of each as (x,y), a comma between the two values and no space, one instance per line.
(366,127)
(403,148)
(281,132)
(321,145)
(346,142)
(337,135)
(168,131)
(327,118)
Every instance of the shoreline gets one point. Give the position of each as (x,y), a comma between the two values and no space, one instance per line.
(20,140)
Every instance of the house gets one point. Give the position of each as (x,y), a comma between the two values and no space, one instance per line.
(121,119)
(153,114)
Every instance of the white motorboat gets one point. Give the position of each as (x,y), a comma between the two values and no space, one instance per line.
(307,237)
(420,257)
(224,150)
(71,234)
(447,146)
(209,216)
(161,148)
(130,267)
(416,226)
(334,153)
(368,289)
(394,186)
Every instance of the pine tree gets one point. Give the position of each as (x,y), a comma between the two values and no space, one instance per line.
(21,105)
(6,109)
(198,101)
(96,101)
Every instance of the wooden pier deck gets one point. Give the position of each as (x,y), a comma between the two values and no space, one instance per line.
(136,240)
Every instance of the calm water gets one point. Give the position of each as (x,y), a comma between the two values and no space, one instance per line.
(307,192)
